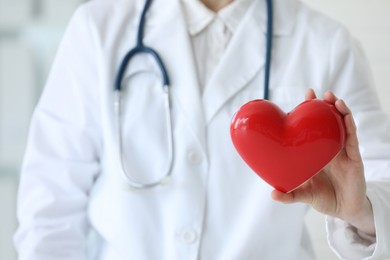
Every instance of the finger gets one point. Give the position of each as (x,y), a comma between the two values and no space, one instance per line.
(352,142)
(297,195)
(310,94)
(330,97)
(342,107)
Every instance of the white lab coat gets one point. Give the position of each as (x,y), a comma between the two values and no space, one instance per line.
(214,206)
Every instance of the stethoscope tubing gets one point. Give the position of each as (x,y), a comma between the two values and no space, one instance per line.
(268,49)
(136,184)
(140,48)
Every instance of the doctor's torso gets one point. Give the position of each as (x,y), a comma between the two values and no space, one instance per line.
(213,206)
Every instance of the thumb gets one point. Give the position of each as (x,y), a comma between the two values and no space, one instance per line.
(298,195)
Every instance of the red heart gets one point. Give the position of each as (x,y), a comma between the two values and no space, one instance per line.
(287,149)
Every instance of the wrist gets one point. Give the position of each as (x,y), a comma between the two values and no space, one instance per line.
(363,220)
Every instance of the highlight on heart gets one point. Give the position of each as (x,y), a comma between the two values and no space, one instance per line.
(287,149)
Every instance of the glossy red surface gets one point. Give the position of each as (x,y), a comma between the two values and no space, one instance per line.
(286,150)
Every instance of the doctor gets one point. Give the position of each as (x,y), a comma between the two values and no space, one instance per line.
(213,206)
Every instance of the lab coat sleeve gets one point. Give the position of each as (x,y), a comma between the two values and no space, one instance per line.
(61,159)
(351,79)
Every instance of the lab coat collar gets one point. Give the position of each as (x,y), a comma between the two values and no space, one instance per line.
(284,14)
(199,16)
(244,59)
(163,11)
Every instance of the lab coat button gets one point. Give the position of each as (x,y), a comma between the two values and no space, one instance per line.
(194,157)
(189,236)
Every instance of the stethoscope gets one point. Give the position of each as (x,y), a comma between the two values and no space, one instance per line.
(140,48)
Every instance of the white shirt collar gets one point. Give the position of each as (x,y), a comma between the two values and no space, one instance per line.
(198,16)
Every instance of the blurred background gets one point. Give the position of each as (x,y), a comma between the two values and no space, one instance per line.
(30,31)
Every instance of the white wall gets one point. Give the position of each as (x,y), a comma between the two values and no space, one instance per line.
(29,34)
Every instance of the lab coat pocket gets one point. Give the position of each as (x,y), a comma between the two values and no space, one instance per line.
(143,123)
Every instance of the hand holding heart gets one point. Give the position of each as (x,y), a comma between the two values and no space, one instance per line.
(339,189)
